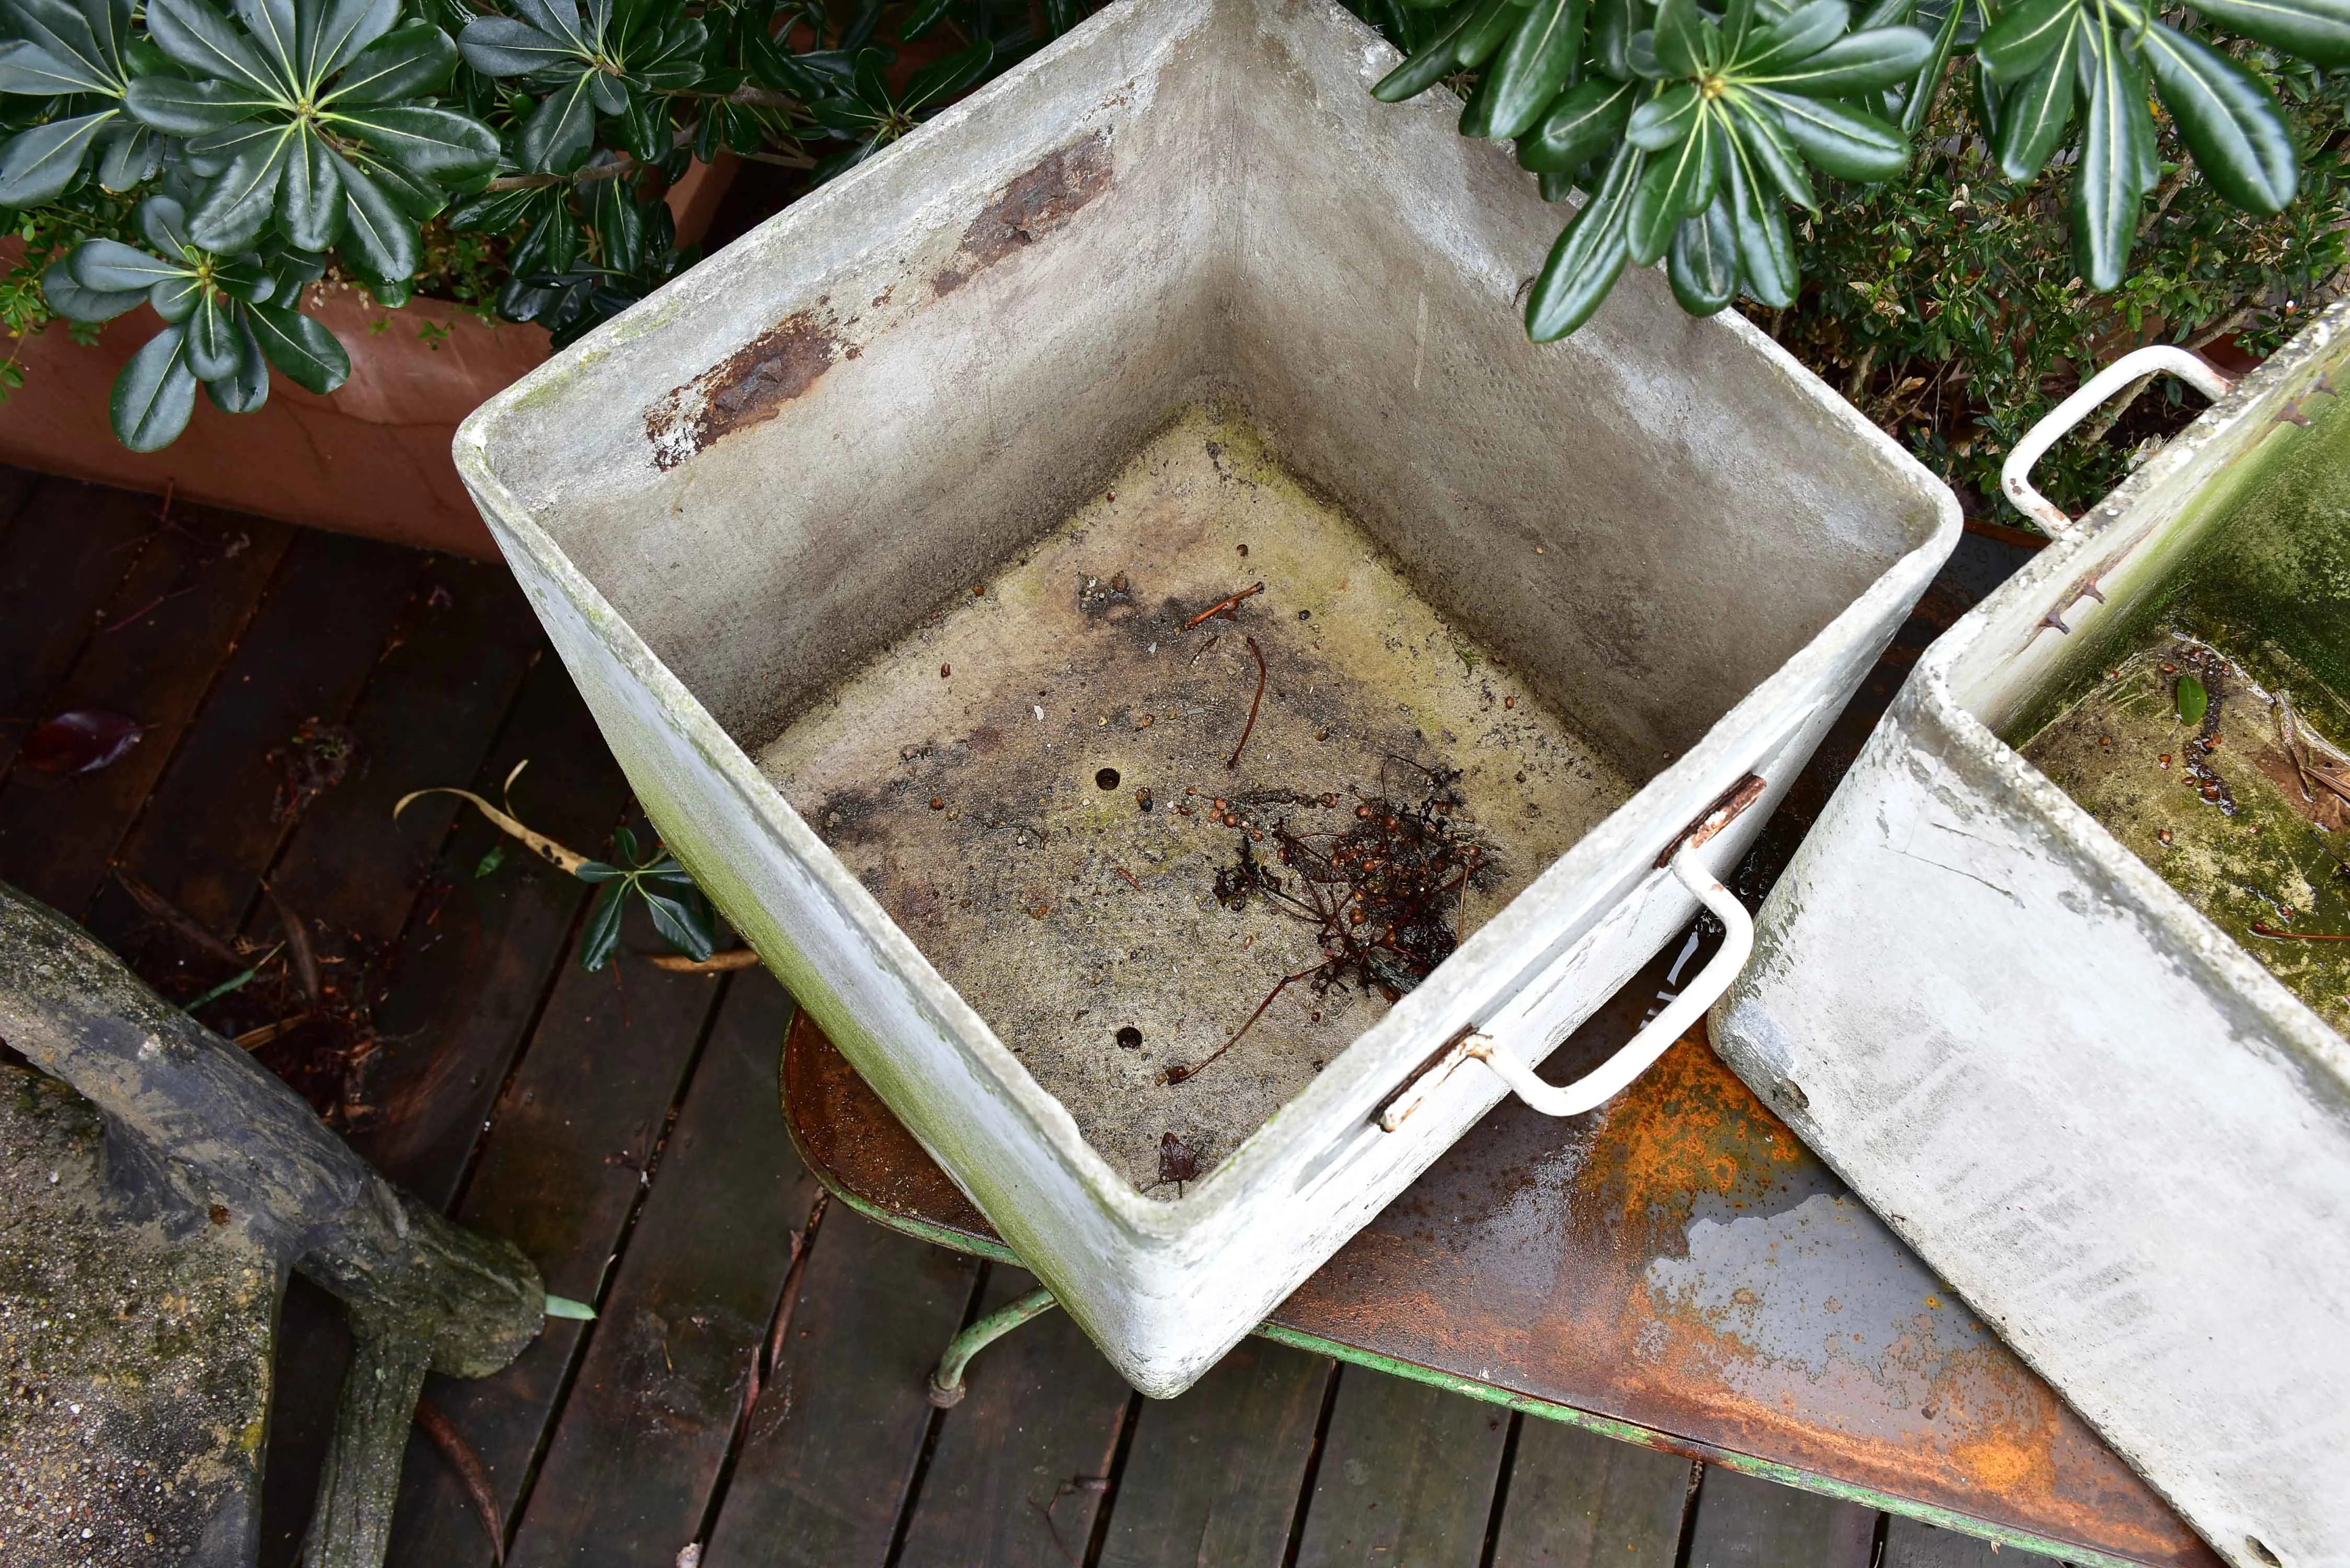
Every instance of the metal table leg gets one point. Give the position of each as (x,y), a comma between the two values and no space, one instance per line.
(946,1389)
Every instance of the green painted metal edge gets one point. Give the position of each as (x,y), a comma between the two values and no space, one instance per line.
(1605,1426)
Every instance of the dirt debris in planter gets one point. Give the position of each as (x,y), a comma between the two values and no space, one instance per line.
(1083,918)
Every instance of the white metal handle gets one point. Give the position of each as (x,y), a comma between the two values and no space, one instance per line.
(1612,1077)
(2016,474)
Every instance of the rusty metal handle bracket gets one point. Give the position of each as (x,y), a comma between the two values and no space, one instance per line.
(1612,1075)
(2016,474)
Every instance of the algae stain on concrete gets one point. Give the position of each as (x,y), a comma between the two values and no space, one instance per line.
(1038,787)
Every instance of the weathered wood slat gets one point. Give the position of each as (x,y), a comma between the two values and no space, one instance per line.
(1744,1522)
(561,1176)
(165,633)
(663,1386)
(476,959)
(214,822)
(1406,1475)
(432,708)
(67,548)
(1042,1415)
(1577,1500)
(1215,1476)
(1911,1544)
(837,1432)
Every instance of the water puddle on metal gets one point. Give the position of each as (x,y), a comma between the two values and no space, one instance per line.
(1074,791)
(2216,746)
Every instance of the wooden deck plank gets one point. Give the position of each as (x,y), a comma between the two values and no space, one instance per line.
(1044,1413)
(836,1434)
(215,820)
(432,709)
(1577,1500)
(560,1178)
(66,549)
(663,1383)
(166,631)
(1744,1522)
(1911,1543)
(476,958)
(1214,1476)
(1406,1475)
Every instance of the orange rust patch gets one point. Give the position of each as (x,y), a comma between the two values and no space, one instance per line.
(1031,207)
(748,386)
(1684,1126)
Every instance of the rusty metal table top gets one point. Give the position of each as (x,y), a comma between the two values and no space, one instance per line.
(1674,1269)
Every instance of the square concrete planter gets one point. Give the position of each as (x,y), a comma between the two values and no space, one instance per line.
(805,453)
(2098,1116)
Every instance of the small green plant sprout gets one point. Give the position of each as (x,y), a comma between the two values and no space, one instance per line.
(680,911)
(2194,701)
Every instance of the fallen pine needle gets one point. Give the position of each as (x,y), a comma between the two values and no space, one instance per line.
(1224,605)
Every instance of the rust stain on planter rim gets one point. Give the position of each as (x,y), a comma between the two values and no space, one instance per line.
(748,386)
(1031,206)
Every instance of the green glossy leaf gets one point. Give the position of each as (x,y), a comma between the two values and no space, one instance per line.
(212,345)
(1857,63)
(2021,40)
(1485,31)
(674,63)
(1798,36)
(310,195)
(110,266)
(429,141)
(1679,41)
(37,165)
(600,939)
(164,222)
(1770,153)
(1424,69)
(416,195)
(1850,143)
(2194,699)
(1611,25)
(1766,248)
(559,19)
(200,39)
(618,223)
(2107,184)
(69,299)
(2226,119)
(133,153)
(2034,115)
(245,278)
(1927,85)
(335,32)
(27,68)
(495,212)
(608,92)
(1679,183)
(943,78)
(1664,119)
(564,1306)
(1586,121)
(378,240)
(245,388)
(178,107)
(1589,254)
(237,207)
(303,352)
(270,25)
(1703,265)
(174,298)
(1887,13)
(559,133)
(1531,69)
(415,61)
(154,394)
(681,915)
(502,47)
(2317,30)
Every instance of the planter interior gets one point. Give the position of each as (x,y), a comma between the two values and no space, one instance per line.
(840,501)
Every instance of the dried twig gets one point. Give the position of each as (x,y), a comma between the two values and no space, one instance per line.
(1129,877)
(1250,728)
(716,963)
(1178,1072)
(461,1457)
(2260,930)
(254,1039)
(1224,607)
(157,907)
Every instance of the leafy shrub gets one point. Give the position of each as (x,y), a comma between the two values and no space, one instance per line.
(213,163)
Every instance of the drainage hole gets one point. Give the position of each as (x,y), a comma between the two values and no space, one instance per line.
(1107,778)
(1129,1038)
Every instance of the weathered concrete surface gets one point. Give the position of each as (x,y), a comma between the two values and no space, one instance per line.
(136,1350)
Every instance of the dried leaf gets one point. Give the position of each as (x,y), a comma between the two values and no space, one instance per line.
(1177,1161)
(298,946)
(545,848)
(158,908)
(81,741)
(716,963)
